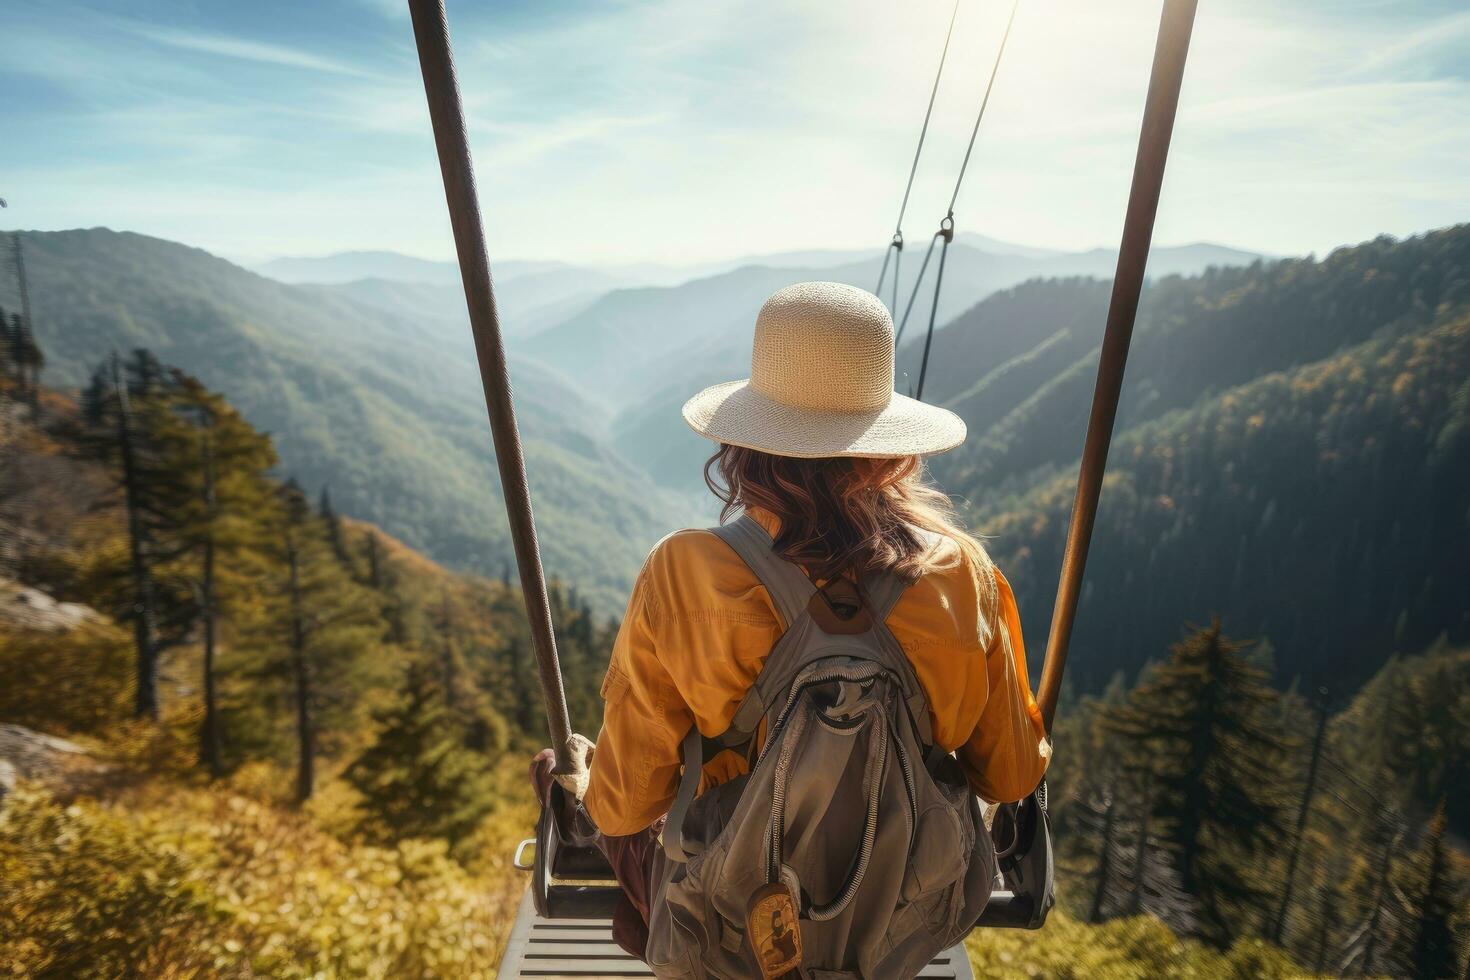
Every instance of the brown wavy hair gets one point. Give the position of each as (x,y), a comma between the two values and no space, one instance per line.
(846,515)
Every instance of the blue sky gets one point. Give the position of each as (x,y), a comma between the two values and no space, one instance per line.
(618,131)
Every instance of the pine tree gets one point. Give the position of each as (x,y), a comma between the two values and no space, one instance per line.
(1150,876)
(128,413)
(1103,809)
(483,725)
(1326,916)
(374,552)
(417,779)
(1199,726)
(333,524)
(27,358)
(1432,950)
(10,362)
(25,354)
(522,686)
(1371,948)
(1134,872)
(220,520)
(1277,925)
(318,628)
(448,652)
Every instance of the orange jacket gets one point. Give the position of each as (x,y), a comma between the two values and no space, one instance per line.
(699,626)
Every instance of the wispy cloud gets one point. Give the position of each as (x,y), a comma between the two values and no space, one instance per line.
(248,50)
(1440,47)
(672,129)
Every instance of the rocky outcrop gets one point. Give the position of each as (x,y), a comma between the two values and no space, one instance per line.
(59,764)
(26,608)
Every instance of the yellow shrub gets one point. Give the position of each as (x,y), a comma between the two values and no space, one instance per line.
(77,681)
(1139,948)
(169,880)
(84,894)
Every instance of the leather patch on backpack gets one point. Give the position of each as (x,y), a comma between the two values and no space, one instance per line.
(774,930)
(835,614)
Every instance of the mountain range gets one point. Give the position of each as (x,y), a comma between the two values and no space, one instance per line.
(646,351)
(384,409)
(1353,367)
(1292,453)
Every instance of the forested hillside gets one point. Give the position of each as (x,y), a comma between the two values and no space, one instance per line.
(243,736)
(383,408)
(1289,453)
(1226,809)
(1323,508)
(252,688)
(1195,337)
(369,387)
(648,350)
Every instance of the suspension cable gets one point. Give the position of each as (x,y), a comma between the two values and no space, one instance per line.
(914,293)
(895,246)
(946,224)
(994,70)
(946,231)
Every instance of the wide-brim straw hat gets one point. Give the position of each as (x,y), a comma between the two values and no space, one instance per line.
(821,384)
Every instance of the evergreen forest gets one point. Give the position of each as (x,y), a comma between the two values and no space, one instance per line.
(247,730)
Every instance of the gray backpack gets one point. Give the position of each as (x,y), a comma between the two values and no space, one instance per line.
(853,847)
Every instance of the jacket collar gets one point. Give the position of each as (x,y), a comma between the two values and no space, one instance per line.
(768,521)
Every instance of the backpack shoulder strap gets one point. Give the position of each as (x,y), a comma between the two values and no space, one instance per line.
(788,586)
(881,593)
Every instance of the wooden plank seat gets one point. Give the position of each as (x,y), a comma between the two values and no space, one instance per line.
(580,948)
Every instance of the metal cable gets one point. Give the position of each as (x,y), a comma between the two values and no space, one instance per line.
(895,246)
(946,226)
(918,281)
(975,131)
(946,231)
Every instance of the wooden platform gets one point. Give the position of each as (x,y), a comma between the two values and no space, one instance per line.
(580,948)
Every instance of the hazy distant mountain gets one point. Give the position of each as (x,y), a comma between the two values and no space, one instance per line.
(648,350)
(350,266)
(987,244)
(383,406)
(620,344)
(527,303)
(1291,448)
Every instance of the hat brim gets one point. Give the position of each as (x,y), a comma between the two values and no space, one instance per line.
(737,414)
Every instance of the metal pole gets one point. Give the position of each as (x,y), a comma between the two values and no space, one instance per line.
(431,33)
(1170,53)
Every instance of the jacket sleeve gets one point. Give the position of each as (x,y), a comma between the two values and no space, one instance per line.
(635,770)
(1008,752)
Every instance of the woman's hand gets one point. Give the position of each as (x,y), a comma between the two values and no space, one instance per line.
(574,781)
(541,765)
